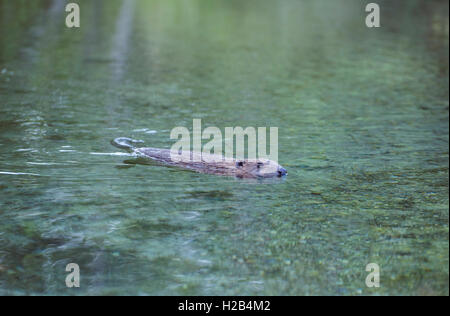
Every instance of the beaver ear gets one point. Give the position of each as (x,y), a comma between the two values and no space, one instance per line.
(239,163)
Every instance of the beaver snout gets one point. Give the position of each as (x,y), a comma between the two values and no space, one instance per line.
(282,172)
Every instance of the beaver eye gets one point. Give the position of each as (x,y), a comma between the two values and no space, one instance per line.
(239,163)
(259,165)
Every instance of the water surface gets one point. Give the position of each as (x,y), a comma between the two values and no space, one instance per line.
(363,131)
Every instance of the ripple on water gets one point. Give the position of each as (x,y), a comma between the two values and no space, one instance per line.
(19,173)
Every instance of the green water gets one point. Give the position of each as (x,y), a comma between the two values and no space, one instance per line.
(363,132)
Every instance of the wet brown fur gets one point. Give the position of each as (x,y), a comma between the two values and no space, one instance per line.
(214,164)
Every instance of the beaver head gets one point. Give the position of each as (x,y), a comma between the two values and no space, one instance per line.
(259,168)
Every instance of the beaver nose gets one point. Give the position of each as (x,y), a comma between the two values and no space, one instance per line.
(282,172)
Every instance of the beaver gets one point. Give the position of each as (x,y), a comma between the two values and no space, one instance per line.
(204,163)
